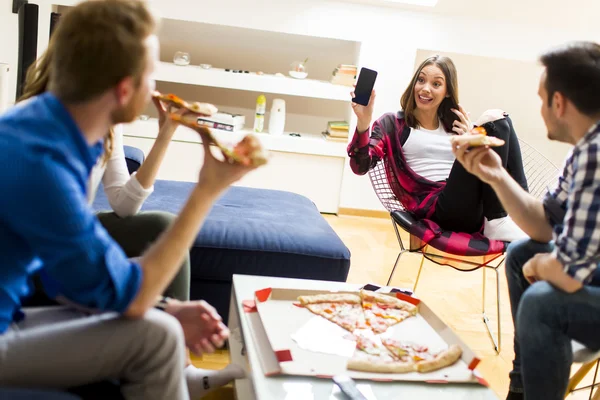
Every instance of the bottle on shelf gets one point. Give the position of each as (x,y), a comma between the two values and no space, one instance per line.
(277,118)
(259,117)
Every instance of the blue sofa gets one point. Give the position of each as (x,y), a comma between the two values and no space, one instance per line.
(250,231)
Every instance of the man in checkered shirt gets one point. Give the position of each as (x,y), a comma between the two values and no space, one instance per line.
(553,280)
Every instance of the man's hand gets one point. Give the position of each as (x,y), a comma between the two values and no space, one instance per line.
(546,267)
(530,269)
(166,125)
(482,162)
(202,326)
(219,174)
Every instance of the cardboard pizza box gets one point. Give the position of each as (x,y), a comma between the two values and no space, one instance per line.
(294,341)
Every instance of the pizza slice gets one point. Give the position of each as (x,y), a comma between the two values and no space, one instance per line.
(424,359)
(383,311)
(370,356)
(477,137)
(248,151)
(204,109)
(342,309)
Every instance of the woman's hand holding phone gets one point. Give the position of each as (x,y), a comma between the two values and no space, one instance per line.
(364,114)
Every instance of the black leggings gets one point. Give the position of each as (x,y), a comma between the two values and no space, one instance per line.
(465,200)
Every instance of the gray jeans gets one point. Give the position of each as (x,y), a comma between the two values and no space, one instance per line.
(58,347)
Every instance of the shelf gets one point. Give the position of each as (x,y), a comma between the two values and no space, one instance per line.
(215,77)
(310,144)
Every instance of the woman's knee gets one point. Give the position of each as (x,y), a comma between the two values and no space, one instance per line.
(490,116)
(159,220)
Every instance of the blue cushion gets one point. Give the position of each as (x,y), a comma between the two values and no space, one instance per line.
(134,157)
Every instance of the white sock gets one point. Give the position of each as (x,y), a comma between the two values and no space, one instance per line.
(202,381)
(503,229)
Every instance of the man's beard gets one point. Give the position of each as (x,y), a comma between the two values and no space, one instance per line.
(125,114)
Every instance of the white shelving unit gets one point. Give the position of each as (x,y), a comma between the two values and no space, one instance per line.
(308,165)
(306,144)
(215,77)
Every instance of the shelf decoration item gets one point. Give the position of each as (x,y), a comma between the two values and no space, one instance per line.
(298,69)
(181,58)
(259,118)
(277,117)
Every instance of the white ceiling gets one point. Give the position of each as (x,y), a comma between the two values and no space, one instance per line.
(568,15)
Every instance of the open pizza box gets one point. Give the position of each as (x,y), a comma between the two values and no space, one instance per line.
(294,341)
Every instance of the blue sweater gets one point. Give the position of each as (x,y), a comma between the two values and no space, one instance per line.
(46,224)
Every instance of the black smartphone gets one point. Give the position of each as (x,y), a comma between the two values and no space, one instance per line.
(364,86)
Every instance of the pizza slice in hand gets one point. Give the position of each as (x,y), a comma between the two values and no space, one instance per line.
(342,309)
(197,108)
(477,137)
(249,151)
(383,311)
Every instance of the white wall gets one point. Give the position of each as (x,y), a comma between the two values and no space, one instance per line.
(9,43)
(390,39)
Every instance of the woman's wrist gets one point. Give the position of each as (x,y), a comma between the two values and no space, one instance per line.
(362,126)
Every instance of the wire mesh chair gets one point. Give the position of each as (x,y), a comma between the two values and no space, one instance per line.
(540,173)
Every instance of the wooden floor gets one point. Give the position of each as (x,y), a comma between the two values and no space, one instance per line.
(454,296)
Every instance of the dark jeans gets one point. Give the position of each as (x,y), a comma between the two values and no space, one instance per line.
(546,320)
(465,201)
(137,232)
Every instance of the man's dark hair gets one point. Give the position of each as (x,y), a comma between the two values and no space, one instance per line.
(574,70)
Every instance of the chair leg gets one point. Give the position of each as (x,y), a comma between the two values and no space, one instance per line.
(497,340)
(579,375)
(395,265)
(419,274)
(402,251)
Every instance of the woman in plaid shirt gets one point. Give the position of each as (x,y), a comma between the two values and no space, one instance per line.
(414,145)
(553,280)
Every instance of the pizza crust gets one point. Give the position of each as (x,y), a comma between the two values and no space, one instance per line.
(204,109)
(330,298)
(373,364)
(373,297)
(441,360)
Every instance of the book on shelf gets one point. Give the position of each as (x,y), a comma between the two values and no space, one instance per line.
(224,121)
(330,138)
(220,126)
(344,74)
(338,129)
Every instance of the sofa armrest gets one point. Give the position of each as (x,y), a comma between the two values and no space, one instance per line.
(134,158)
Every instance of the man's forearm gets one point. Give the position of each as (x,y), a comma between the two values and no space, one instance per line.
(527,211)
(162,261)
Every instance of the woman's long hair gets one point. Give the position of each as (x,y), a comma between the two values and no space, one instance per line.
(445,114)
(36,82)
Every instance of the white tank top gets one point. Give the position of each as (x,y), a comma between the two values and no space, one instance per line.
(429,153)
